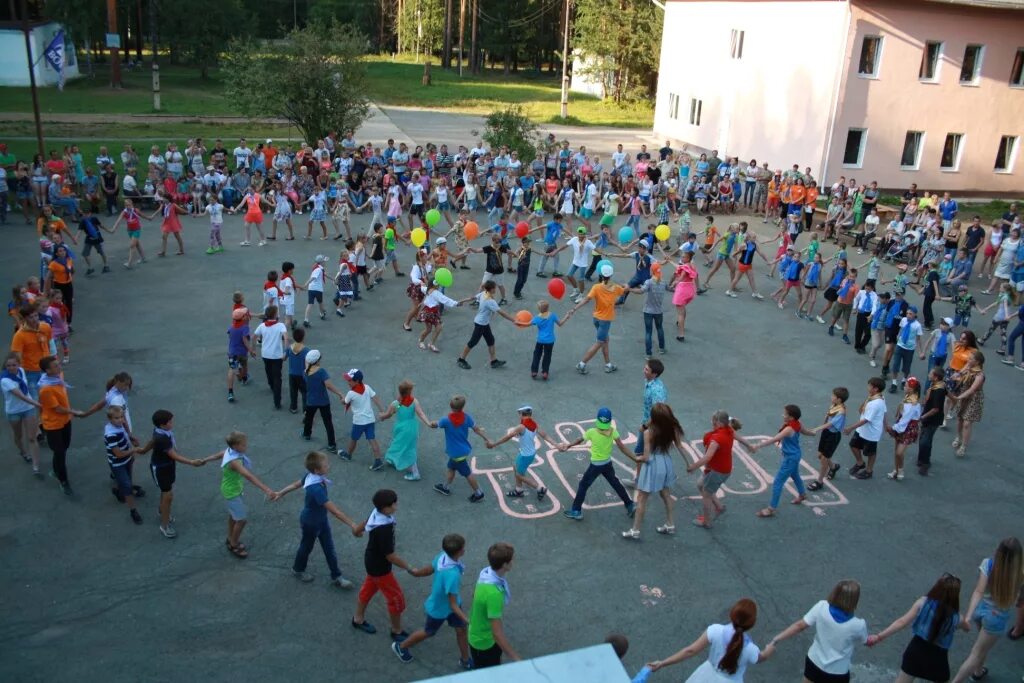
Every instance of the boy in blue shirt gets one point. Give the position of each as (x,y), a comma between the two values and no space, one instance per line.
(456,426)
(552,234)
(444,604)
(545,323)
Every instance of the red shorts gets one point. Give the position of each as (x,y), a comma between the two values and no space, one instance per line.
(773,202)
(388,585)
(744,267)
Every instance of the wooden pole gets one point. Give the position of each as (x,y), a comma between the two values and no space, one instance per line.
(462,31)
(565,63)
(115,53)
(446,57)
(27,30)
(474,58)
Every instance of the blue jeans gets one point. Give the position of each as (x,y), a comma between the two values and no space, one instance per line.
(653,320)
(607,471)
(310,535)
(935,361)
(1012,341)
(789,469)
(546,256)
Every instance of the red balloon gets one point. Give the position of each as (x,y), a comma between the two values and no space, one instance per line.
(522,229)
(556,288)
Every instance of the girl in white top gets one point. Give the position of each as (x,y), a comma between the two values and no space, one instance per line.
(315,288)
(836,633)
(567,197)
(730,649)
(20,409)
(418,277)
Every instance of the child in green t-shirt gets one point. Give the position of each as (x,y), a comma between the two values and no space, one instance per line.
(234,466)
(487,641)
(601,438)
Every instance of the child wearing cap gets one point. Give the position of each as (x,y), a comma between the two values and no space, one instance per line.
(906,429)
(444,604)
(604,294)
(940,342)
(456,426)
(359,398)
(313,519)
(601,437)
(526,431)
(318,384)
(788,439)
(963,304)
(343,284)
(239,350)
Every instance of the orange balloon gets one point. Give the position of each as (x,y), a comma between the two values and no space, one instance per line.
(656,269)
(471,230)
(524,317)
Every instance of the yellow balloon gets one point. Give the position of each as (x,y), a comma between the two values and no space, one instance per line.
(418,237)
(662,232)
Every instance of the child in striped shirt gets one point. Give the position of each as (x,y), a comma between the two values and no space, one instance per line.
(121,457)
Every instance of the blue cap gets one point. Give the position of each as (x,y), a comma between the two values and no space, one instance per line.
(354,375)
(912,309)
(604,416)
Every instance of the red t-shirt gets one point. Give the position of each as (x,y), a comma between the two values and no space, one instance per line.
(721,461)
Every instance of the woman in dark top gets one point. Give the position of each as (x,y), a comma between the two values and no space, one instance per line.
(931,418)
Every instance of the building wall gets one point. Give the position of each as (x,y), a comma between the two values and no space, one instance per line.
(897,100)
(14,62)
(772,104)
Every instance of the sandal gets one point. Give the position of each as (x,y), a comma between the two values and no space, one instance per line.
(631,533)
(666,530)
(799,499)
(980,675)
(815,486)
(766,512)
(1010,634)
(238,551)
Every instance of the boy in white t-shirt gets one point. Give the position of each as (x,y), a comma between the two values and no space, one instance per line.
(273,338)
(360,399)
(315,287)
(868,430)
(216,212)
(287,285)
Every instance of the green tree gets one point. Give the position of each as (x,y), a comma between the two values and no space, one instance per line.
(513,129)
(620,42)
(421,26)
(314,77)
(84,20)
(199,30)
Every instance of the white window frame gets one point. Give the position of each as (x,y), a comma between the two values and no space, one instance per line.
(976,79)
(861,152)
(920,152)
(959,154)
(1011,158)
(696,108)
(878,56)
(938,61)
(673,106)
(1020,82)
(736,43)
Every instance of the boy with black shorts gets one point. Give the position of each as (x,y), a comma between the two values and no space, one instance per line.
(487,639)
(444,604)
(482,325)
(831,434)
(162,465)
(867,431)
(91,227)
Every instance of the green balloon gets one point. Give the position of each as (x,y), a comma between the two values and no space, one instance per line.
(433,216)
(443,277)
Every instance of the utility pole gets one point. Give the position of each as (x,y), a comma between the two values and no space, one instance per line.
(156,67)
(462,31)
(474,58)
(115,53)
(446,56)
(27,30)
(565,63)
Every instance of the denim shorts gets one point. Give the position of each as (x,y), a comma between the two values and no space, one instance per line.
(122,475)
(603,327)
(369,431)
(990,617)
(460,466)
(432,625)
(575,270)
(712,481)
(236,508)
(24,415)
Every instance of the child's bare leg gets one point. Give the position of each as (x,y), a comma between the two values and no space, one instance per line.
(641,509)
(396,622)
(166,498)
(666,497)
(471,480)
(463,642)
(181,245)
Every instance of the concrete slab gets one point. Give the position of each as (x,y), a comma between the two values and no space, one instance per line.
(596,664)
(87,595)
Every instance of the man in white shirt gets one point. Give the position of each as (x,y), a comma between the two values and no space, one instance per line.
(360,399)
(214,180)
(863,304)
(868,432)
(582,248)
(618,160)
(273,338)
(243,155)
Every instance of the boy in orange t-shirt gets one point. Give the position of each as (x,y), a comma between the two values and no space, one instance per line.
(604,295)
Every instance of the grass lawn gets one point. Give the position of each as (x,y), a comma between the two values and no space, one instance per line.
(182,92)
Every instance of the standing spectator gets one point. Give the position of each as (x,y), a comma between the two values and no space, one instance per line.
(243,155)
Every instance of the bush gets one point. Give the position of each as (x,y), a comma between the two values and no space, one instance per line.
(511,127)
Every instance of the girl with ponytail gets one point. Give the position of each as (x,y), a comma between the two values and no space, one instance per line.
(730,649)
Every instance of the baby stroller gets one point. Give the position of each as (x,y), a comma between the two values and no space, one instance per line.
(900,247)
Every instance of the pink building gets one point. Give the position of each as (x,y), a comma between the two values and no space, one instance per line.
(899,91)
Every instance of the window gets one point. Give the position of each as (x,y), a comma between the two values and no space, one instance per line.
(930,62)
(971,67)
(853,154)
(1017,72)
(870,55)
(951,150)
(673,106)
(1005,156)
(911,158)
(736,44)
(695,107)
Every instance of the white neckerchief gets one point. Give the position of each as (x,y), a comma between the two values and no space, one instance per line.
(230,454)
(378,519)
(488,575)
(444,561)
(314,479)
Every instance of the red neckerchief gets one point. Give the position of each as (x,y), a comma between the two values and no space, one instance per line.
(794,424)
(457,418)
(529,424)
(268,284)
(359,387)
(270,322)
(406,400)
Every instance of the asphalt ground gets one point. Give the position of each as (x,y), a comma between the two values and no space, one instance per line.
(88,595)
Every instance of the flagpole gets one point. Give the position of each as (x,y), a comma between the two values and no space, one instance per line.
(26,29)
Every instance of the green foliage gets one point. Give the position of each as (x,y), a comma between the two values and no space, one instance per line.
(313,78)
(621,40)
(85,20)
(510,127)
(421,26)
(199,30)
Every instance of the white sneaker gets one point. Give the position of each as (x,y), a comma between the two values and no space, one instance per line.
(731,293)
(245,244)
(819,319)
(873,363)
(757,295)
(263,243)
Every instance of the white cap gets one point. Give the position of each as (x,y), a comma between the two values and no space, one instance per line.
(607,270)
(269,141)
(524,409)
(312,357)
(440,240)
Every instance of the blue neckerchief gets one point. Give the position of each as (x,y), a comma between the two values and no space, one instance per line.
(839,615)
(837,277)
(845,289)
(892,313)
(866,306)
(941,344)
(22,385)
(905,334)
